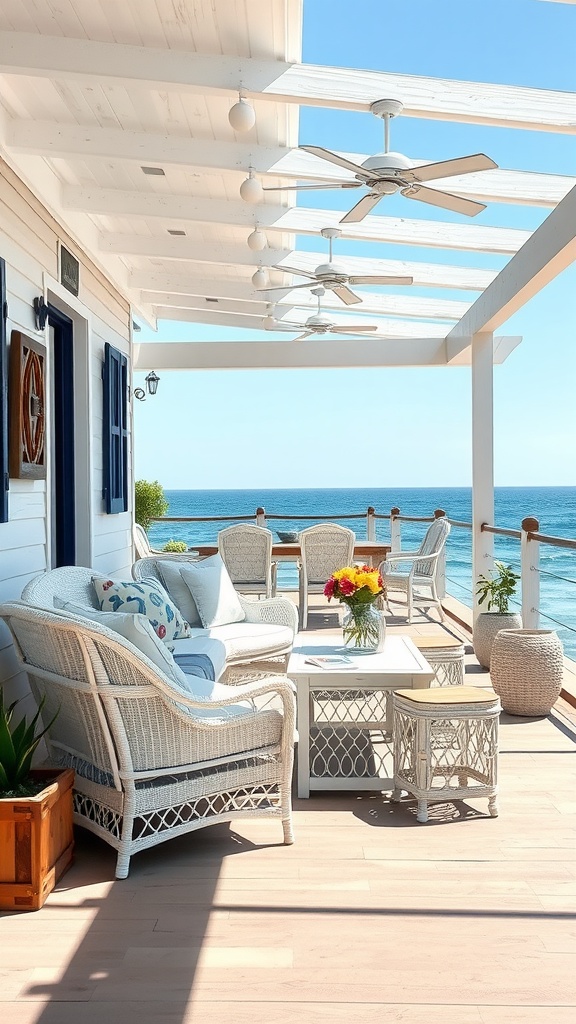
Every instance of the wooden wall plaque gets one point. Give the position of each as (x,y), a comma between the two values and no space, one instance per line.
(27,408)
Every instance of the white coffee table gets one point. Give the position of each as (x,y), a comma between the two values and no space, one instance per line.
(345,713)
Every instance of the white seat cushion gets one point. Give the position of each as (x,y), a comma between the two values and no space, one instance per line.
(244,641)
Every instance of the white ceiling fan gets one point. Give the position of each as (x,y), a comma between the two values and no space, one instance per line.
(386,173)
(320,323)
(333,276)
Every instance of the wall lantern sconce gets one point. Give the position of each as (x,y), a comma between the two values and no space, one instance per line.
(151,381)
(40,312)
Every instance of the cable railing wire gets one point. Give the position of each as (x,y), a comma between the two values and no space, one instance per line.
(545,572)
(557,621)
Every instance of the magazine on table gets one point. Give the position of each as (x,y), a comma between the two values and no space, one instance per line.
(330,661)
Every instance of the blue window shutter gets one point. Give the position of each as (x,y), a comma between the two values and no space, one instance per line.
(4,478)
(115,432)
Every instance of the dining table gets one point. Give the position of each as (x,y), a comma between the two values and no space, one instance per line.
(370,552)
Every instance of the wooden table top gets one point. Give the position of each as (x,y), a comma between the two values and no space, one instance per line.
(368,549)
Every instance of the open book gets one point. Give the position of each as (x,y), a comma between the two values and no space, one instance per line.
(329,660)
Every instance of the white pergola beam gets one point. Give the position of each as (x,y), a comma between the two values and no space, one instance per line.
(297,220)
(116,64)
(386,328)
(309,354)
(547,252)
(70,141)
(433,275)
(387,305)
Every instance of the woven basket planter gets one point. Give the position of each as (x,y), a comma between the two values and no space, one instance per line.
(526,670)
(486,627)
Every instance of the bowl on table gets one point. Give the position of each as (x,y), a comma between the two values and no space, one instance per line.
(288,536)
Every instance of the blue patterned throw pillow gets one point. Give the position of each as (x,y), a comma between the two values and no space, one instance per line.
(145,598)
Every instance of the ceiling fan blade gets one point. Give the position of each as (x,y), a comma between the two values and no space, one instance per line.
(305,335)
(294,270)
(445,168)
(302,188)
(354,330)
(340,161)
(370,279)
(361,209)
(444,199)
(346,295)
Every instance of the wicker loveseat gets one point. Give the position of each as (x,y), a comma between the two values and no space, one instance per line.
(153,759)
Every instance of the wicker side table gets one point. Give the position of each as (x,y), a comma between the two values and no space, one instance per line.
(526,668)
(444,654)
(446,745)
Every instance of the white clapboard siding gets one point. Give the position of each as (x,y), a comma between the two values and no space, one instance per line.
(29,239)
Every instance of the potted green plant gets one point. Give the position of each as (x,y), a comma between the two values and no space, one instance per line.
(149,502)
(495,592)
(175,546)
(36,829)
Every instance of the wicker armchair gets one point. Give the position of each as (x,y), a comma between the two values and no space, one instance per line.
(324,549)
(422,572)
(246,551)
(153,760)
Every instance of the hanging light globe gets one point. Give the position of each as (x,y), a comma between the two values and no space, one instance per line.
(251,190)
(257,241)
(260,278)
(242,116)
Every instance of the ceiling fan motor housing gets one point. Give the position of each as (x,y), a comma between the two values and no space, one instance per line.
(331,272)
(319,323)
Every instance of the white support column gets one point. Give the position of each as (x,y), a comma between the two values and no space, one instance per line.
(482,457)
(530,557)
(260,517)
(395,530)
(370,524)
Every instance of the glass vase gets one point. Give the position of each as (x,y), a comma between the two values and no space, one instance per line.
(364,628)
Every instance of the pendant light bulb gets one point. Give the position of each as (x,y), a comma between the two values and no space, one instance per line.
(242,116)
(269,321)
(260,278)
(251,190)
(257,241)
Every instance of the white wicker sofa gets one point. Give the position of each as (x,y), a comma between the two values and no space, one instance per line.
(266,633)
(153,759)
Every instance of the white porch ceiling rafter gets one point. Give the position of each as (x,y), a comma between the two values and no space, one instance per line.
(428,275)
(383,305)
(297,220)
(71,141)
(92,62)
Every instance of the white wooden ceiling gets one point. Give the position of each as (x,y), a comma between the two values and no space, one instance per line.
(92,91)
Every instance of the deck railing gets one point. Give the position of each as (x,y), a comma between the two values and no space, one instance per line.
(529,537)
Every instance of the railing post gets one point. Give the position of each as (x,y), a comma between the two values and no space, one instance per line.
(439,513)
(395,529)
(530,559)
(370,524)
(260,517)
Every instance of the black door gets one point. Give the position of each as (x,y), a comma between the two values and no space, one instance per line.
(63,449)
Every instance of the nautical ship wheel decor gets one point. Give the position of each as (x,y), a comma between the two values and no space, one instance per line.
(27,435)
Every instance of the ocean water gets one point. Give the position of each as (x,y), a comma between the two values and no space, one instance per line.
(554,507)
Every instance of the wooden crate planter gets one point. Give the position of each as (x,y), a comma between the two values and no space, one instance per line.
(36,841)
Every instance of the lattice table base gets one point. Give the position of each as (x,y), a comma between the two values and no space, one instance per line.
(446,745)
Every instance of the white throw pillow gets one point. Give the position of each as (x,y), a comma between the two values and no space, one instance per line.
(147,597)
(138,630)
(177,589)
(213,592)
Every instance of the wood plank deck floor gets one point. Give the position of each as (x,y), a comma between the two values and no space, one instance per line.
(369,917)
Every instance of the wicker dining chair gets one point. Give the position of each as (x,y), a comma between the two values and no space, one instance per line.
(323,549)
(422,572)
(152,759)
(246,551)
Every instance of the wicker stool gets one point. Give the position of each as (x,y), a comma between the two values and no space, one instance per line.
(446,745)
(445,654)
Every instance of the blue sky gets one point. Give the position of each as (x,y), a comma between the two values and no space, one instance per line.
(401,427)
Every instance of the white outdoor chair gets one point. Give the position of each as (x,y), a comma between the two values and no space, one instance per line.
(141,542)
(152,759)
(246,551)
(323,549)
(422,572)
